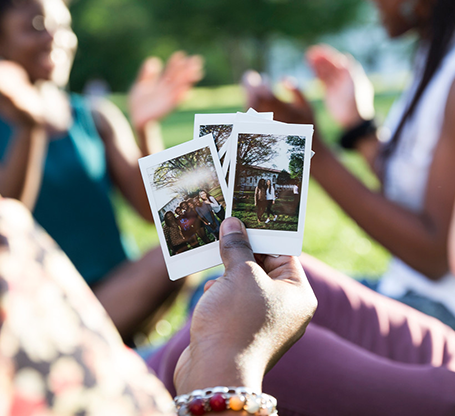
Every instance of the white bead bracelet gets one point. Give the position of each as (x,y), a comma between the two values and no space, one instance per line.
(219,399)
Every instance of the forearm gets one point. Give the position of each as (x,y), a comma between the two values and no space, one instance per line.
(150,139)
(409,236)
(368,147)
(20,175)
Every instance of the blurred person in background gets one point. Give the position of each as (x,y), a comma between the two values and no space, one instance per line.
(62,155)
(414,162)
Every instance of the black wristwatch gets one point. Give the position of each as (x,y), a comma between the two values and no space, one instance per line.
(351,137)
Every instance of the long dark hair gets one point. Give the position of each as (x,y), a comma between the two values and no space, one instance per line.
(441,29)
(261,184)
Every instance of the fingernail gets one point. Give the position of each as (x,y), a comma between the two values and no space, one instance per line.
(231,226)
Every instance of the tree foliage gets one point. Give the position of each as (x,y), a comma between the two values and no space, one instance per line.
(297,155)
(187,173)
(256,149)
(283,178)
(220,133)
(232,35)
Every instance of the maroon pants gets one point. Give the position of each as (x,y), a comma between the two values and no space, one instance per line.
(362,354)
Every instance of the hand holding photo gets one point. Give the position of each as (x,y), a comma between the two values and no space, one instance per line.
(186,191)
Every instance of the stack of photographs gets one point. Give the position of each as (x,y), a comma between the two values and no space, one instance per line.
(244,165)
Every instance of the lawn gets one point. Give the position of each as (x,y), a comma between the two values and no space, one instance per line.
(245,210)
(329,234)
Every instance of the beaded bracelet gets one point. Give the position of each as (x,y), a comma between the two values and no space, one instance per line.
(219,399)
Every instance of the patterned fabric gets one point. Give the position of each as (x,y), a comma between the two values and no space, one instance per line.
(59,352)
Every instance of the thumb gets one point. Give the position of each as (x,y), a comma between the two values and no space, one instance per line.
(235,247)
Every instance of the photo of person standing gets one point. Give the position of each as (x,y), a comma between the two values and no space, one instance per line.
(270,198)
(260,199)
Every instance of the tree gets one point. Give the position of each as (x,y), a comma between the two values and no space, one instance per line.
(297,155)
(243,29)
(219,132)
(187,173)
(255,149)
(232,35)
(283,178)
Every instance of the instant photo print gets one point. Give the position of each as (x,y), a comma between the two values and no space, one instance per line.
(220,126)
(268,183)
(181,183)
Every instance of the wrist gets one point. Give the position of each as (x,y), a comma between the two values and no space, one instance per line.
(200,368)
(352,121)
(149,137)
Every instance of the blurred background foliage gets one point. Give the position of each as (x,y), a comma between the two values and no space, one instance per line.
(232,35)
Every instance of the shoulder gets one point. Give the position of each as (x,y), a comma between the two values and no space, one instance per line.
(107,116)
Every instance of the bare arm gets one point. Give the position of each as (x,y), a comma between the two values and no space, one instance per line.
(157,92)
(20,104)
(122,155)
(418,239)
(21,171)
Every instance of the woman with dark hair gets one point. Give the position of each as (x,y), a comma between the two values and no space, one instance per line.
(217,208)
(410,215)
(211,224)
(260,199)
(185,223)
(175,240)
(270,196)
(198,226)
(62,154)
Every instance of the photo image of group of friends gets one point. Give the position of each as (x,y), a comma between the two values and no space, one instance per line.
(186,192)
(194,222)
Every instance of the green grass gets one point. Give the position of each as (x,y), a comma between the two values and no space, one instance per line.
(329,235)
(245,210)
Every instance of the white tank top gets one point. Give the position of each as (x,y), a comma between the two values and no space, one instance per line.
(407,173)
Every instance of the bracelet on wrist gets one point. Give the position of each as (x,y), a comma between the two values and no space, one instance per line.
(219,399)
(351,137)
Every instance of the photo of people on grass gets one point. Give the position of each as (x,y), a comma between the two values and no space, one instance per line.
(191,201)
(268,181)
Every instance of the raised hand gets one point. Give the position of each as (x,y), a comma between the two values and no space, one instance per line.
(246,319)
(20,101)
(348,92)
(261,98)
(157,90)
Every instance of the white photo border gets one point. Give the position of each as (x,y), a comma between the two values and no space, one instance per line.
(275,242)
(199,258)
